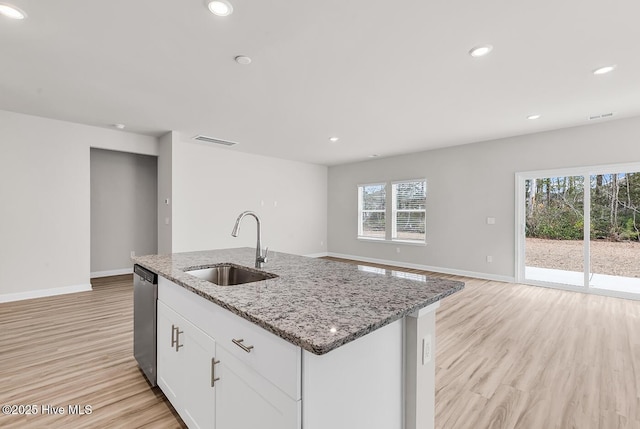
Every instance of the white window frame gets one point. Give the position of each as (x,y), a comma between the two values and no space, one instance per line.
(395,211)
(390,216)
(361,187)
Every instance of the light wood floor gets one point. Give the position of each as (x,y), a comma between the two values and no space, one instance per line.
(77,349)
(508,356)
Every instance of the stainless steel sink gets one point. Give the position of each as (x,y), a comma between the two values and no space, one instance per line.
(230,275)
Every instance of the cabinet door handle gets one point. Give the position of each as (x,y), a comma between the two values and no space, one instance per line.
(242,346)
(213,371)
(173,335)
(178,332)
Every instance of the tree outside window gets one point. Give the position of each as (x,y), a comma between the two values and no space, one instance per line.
(409,211)
(372,211)
(406,207)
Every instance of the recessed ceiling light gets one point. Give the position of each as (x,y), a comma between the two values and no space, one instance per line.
(375,155)
(532,117)
(604,70)
(480,51)
(334,139)
(119,126)
(11,11)
(243,59)
(220,7)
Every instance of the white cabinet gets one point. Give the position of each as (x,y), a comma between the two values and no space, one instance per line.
(245,399)
(168,360)
(383,380)
(258,375)
(186,368)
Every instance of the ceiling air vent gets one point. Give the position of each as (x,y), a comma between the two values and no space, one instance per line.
(602,116)
(206,139)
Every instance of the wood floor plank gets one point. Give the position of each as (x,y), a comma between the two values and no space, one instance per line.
(508,357)
(77,350)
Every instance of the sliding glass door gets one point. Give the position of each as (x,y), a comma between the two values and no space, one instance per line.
(615,223)
(554,229)
(579,229)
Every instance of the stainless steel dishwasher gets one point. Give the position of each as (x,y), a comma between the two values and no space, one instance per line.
(145,296)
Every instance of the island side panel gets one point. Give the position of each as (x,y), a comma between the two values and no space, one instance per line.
(420,343)
(359,385)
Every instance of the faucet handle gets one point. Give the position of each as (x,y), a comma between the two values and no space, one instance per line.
(262,258)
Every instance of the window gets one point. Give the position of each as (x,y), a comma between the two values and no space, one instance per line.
(405,206)
(408,211)
(372,211)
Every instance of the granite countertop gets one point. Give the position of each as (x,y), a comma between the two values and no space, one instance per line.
(316,304)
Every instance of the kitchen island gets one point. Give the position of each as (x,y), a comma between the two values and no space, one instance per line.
(338,345)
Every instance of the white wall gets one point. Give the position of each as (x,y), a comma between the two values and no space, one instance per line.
(465,185)
(165,198)
(124,209)
(45,203)
(212,186)
(45,194)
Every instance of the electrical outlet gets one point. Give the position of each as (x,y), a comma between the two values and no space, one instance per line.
(489,258)
(426,349)
(397,250)
(133,253)
(491,221)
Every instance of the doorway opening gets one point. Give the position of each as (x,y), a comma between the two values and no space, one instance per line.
(579,229)
(124,210)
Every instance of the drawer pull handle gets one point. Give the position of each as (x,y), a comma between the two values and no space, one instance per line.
(242,346)
(175,337)
(178,345)
(213,371)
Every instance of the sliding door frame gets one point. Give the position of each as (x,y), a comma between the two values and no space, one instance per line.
(520,223)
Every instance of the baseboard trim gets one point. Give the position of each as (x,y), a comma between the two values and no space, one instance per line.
(477,275)
(41,293)
(110,273)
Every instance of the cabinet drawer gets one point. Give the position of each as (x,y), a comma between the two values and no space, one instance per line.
(247,400)
(272,357)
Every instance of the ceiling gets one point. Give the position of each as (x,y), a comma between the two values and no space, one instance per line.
(385,77)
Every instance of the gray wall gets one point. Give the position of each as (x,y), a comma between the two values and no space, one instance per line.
(465,185)
(124,207)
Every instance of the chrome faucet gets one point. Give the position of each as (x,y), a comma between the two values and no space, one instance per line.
(260,258)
